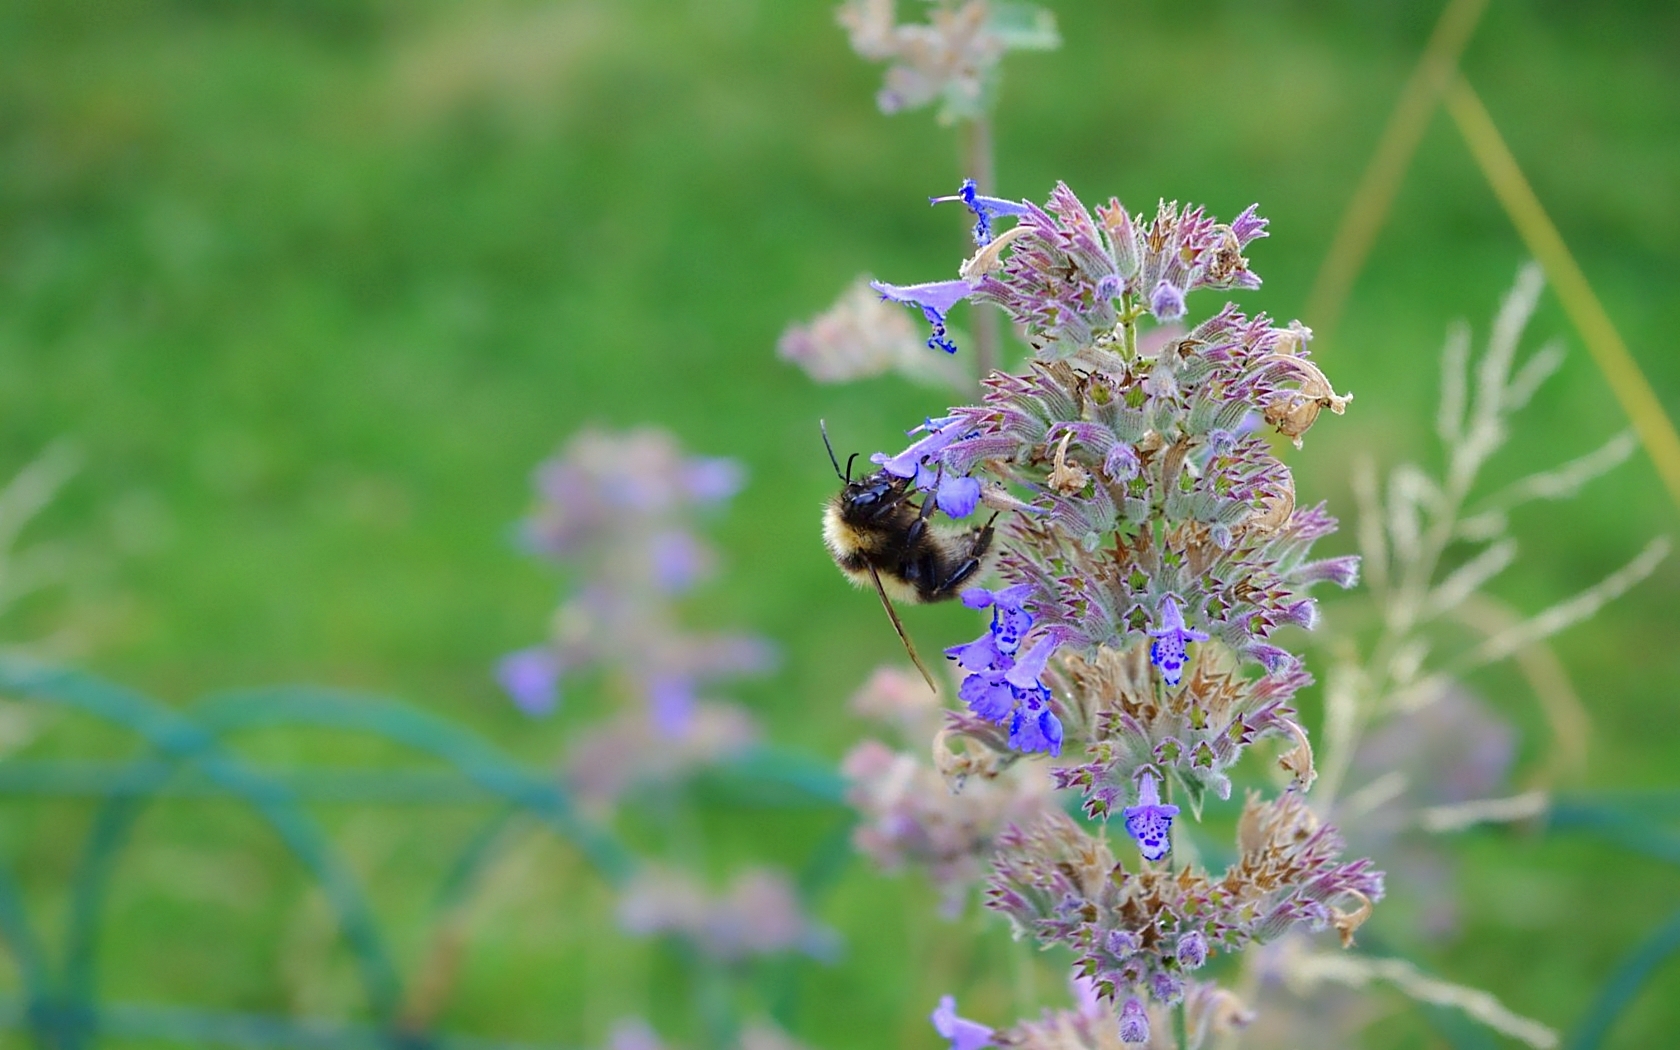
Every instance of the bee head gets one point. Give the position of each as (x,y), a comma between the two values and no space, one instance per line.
(873,497)
(867,499)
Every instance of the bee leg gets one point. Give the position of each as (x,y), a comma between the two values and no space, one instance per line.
(981,543)
(920,525)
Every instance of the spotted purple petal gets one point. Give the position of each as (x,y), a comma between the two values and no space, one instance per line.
(1169,651)
(987,695)
(1150,822)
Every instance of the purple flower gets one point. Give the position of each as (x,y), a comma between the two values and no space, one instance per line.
(1134,1023)
(909,463)
(935,299)
(1166,302)
(1192,950)
(957,495)
(963,1033)
(531,678)
(1030,665)
(1166,988)
(679,560)
(1010,619)
(1035,727)
(984,208)
(1122,942)
(1168,649)
(671,703)
(988,695)
(1122,463)
(711,479)
(1149,822)
(999,685)
(982,654)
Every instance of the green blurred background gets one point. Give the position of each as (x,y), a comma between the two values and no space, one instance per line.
(311,285)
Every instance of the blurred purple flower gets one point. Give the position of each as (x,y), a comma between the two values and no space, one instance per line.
(531,678)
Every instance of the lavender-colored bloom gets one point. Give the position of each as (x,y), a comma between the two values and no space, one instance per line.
(861,336)
(1192,950)
(952,57)
(531,677)
(1029,666)
(1168,650)
(758,915)
(963,1033)
(1010,619)
(957,495)
(1003,686)
(938,434)
(671,702)
(984,208)
(713,479)
(1150,822)
(1035,727)
(935,299)
(988,695)
(1121,463)
(619,510)
(1134,1022)
(1166,988)
(1063,884)
(1166,302)
(633,1033)
(679,560)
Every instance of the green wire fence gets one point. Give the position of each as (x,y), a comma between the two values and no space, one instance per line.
(185,756)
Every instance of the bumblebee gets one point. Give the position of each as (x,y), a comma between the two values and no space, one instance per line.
(881,537)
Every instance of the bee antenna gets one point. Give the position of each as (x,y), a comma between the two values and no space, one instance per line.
(846,477)
(849,461)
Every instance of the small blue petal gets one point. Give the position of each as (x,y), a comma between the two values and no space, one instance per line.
(982,654)
(958,496)
(1169,649)
(987,695)
(977,597)
(1192,950)
(1036,728)
(935,298)
(1029,667)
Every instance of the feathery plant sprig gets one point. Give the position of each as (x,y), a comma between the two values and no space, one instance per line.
(1430,544)
(1407,533)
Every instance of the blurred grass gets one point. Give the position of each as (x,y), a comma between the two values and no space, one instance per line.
(313,284)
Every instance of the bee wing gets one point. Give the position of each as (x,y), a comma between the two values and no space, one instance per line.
(892,614)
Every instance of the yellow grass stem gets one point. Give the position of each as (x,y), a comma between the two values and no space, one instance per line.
(1369,208)
(1627,382)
